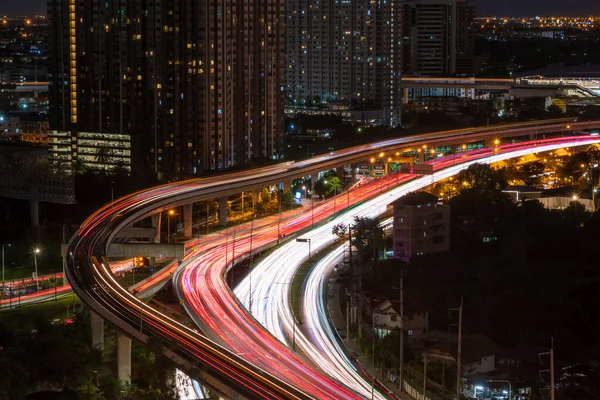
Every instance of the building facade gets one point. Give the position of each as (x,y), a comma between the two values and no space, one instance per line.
(197,85)
(388,319)
(344,50)
(421,226)
(95,151)
(438,37)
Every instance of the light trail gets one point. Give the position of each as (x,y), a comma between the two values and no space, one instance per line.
(88,271)
(271,301)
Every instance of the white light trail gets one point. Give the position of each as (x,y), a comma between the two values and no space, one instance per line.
(273,276)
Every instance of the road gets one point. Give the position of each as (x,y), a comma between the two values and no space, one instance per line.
(50,293)
(93,281)
(271,302)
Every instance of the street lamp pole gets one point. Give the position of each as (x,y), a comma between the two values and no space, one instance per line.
(334,196)
(171,212)
(278,220)
(7,245)
(250,265)
(307,240)
(37,281)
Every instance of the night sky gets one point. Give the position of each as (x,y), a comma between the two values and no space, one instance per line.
(484,7)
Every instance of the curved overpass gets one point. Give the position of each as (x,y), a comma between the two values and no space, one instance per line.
(221,369)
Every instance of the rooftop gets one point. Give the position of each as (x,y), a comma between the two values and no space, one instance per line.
(416,198)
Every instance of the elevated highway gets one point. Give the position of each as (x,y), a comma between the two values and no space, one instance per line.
(221,369)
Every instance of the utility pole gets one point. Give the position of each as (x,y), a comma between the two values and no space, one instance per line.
(207,217)
(278,219)
(347,319)
(401,365)
(459,350)
(425,376)
(551,354)
(552,369)
(250,266)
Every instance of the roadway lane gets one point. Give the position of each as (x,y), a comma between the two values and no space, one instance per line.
(272,303)
(51,293)
(94,283)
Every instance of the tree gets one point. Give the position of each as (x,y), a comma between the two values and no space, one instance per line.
(531,173)
(575,213)
(367,237)
(340,230)
(120,171)
(14,376)
(328,184)
(104,154)
(78,167)
(477,175)
(287,199)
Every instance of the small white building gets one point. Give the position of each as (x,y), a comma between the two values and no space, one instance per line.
(387,319)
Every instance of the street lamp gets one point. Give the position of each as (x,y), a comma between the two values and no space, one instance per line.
(7,245)
(37,281)
(304,188)
(307,240)
(171,212)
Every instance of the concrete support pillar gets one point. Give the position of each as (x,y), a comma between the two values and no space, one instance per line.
(492,142)
(257,196)
(314,177)
(421,156)
(339,172)
(35,212)
(286,186)
(97,326)
(405,96)
(187,220)
(156,224)
(223,211)
(123,358)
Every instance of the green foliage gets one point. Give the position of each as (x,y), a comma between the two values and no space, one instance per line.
(104,154)
(531,173)
(328,184)
(340,230)
(539,279)
(287,199)
(480,176)
(15,376)
(367,237)
(61,354)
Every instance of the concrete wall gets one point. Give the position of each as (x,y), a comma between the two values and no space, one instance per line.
(129,250)
(143,233)
(560,203)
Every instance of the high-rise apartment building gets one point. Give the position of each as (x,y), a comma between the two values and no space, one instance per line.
(438,37)
(198,85)
(344,50)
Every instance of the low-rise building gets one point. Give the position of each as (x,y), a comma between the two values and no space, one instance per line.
(388,319)
(98,151)
(34,129)
(421,226)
